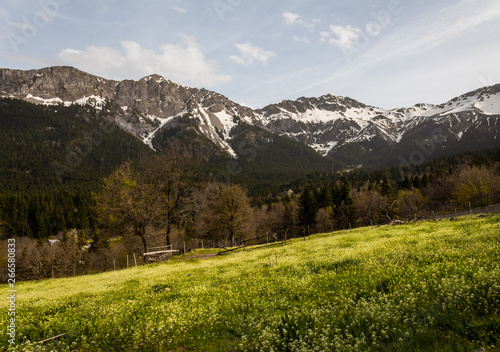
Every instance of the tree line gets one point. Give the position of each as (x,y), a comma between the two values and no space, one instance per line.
(43,215)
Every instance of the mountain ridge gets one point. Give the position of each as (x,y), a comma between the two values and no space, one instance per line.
(329,124)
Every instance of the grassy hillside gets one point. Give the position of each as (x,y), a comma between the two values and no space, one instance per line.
(424,287)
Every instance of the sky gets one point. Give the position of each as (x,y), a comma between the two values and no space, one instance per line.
(386,53)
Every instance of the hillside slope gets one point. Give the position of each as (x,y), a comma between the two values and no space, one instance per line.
(44,148)
(424,287)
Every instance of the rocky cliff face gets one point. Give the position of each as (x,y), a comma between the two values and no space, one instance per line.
(327,124)
(65,83)
(140,107)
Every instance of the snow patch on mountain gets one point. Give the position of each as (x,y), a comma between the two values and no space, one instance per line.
(93,100)
(227,120)
(210,130)
(489,105)
(150,136)
(51,101)
(324,148)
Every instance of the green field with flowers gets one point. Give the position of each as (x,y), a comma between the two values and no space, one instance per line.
(430,286)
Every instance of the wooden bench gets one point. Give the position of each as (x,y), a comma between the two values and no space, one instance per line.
(156,254)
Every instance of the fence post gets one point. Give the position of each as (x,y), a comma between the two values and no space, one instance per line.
(114,264)
(350,230)
(135,260)
(331,225)
(184,243)
(371,222)
(470,211)
(127,260)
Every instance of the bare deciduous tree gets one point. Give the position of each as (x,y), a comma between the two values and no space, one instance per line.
(409,203)
(370,204)
(477,185)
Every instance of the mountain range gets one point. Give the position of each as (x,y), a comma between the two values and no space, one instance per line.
(155,110)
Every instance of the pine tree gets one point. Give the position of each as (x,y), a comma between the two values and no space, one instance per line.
(385,187)
(99,241)
(406,184)
(325,198)
(345,192)
(425,181)
(417,182)
(345,213)
(41,229)
(307,208)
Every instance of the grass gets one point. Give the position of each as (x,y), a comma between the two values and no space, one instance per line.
(424,287)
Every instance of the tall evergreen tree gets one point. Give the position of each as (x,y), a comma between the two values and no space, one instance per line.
(325,198)
(307,208)
(345,192)
(385,186)
(345,213)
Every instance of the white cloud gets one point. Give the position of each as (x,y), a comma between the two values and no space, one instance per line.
(291,18)
(301,39)
(181,63)
(439,27)
(250,53)
(180,9)
(343,37)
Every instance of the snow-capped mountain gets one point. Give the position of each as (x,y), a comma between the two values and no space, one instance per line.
(328,124)
(330,121)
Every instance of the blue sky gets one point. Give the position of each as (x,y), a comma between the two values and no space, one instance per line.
(387,53)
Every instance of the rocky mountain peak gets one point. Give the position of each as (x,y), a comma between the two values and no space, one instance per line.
(327,123)
(61,83)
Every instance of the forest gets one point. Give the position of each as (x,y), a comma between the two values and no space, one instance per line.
(161,200)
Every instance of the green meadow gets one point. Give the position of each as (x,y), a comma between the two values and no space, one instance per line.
(430,286)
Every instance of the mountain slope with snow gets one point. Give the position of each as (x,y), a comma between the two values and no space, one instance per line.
(141,107)
(330,122)
(333,126)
